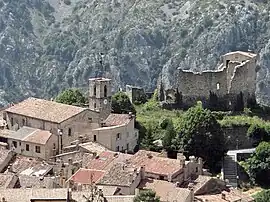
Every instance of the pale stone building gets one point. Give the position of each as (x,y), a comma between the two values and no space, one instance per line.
(66,121)
(117,133)
(32,142)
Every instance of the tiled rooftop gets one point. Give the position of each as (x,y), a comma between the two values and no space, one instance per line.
(230,196)
(35,182)
(25,195)
(4,153)
(6,179)
(30,166)
(45,110)
(93,147)
(120,174)
(167,191)
(87,176)
(102,161)
(117,119)
(155,164)
(32,135)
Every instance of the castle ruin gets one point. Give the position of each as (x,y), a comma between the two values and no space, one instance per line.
(231,87)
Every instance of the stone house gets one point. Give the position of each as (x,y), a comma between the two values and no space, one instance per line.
(65,121)
(117,133)
(162,168)
(135,93)
(231,86)
(32,142)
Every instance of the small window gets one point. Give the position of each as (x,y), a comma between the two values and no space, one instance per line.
(122,148)
(95,105)
(90,119)
(14,144)
(69,132)
(127,134)
(23,122)
(95,138)
(105,91)
(27,147)
(117,148)
(37,149)
(127,146)
(95,90)
(218,86)
(11,121)
(118,136)
(196,169)
(20,143)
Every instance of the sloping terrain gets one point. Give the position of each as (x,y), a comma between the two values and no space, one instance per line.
(49,45)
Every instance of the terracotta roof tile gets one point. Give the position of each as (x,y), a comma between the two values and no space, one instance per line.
(167,191)
(38,137)
(4,153)
(102,160)
(87,176)
(45,110)
(155,164)
(120,174)
(5,180)
(117,119)
(35,182)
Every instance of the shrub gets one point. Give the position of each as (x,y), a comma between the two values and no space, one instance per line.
(67,2)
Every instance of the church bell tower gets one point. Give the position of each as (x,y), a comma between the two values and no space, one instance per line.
(100,96)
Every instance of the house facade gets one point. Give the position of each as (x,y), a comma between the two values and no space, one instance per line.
(117,133)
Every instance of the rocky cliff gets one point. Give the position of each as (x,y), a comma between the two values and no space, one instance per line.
(49,45)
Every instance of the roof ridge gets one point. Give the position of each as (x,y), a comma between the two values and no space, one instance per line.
(30,133)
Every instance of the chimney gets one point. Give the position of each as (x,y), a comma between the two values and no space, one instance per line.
(170,178)
(69,195)
(142,172)
(192,159)
(130,115)
(223,195)
(70,161)
(80,139)
(4,199)
(181,158)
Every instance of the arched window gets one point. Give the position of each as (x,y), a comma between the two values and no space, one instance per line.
(95,90)
(105,91)
(95,105)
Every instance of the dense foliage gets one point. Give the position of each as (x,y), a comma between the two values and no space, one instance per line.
(147,196)
(70,97)
(121,104)
(263,196)
(201,136)
(258,165)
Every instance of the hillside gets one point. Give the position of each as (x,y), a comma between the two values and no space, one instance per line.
(49,45)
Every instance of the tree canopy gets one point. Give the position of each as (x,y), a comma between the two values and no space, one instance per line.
(201,135)
(258,165)
(263,196)
(71,96)
(147,196)
(121,104)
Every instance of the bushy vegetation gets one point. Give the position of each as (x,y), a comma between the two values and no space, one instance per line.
(71,96)
(147,196)
(263,196)
(258,165)
(121,104)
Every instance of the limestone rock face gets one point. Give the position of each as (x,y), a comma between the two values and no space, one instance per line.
(49,45)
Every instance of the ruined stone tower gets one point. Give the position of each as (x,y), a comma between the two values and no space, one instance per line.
(100,96)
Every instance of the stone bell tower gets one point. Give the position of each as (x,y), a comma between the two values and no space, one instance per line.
(100,96)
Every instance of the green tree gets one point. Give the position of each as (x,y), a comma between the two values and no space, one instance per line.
(201,136)
(259,133)
(258,165)
(121,104)
(147,196)
(263,196)
(169,136)
(71,96)
(148,139)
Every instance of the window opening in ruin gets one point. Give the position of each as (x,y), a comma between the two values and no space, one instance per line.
(27,147)
(218,86)
(227,63)
(95,138)
(37,149)
(95,90)
(11,121)
(105,91)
